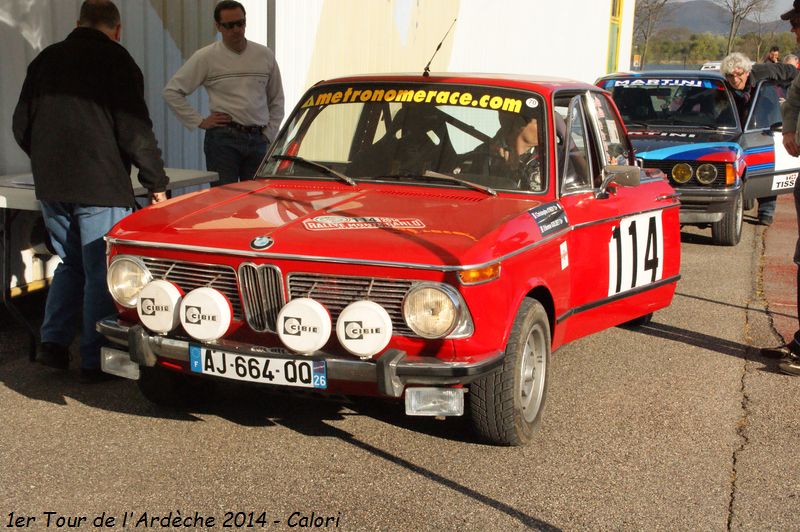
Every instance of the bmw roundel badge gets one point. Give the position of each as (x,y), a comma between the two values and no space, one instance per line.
(261,242)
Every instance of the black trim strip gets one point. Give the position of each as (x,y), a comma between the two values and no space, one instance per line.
(617,297)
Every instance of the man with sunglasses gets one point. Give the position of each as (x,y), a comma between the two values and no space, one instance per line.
(789,111)
(245,97)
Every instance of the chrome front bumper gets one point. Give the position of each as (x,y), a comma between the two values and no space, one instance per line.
(391,372)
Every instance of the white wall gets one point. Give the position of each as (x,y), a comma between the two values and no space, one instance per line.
(320,39)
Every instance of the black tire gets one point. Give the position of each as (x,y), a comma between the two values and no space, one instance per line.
(728,231)
(641,321)
(172,389)
(506,406)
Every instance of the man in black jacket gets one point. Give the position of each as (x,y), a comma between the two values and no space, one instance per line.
(83,120)
(743,75)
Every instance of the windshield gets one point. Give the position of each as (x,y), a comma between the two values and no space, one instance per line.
(702,103)
(494,138)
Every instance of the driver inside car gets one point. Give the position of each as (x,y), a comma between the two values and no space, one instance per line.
(511,159)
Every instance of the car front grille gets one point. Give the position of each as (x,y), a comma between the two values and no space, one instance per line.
(262,291)
(336,292)
(191,275)
(666,167)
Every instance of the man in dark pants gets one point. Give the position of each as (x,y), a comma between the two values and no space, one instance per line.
(83,120)
(743,75)
(245,95)
(789,111)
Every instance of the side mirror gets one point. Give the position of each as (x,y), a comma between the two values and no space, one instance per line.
(777,127)
(623,175)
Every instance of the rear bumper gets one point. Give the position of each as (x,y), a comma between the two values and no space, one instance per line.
(706,205)
(390,373)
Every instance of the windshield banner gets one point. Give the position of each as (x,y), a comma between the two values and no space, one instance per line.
(363,93)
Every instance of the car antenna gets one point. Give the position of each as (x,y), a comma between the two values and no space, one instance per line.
(427,71)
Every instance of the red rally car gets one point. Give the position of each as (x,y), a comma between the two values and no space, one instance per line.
(430,238)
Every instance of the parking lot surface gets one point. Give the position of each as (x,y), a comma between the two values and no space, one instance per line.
(676,425)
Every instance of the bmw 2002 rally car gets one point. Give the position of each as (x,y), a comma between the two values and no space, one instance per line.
(685,123)
(426,238)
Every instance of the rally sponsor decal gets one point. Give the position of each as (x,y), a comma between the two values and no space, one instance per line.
(440,96)
(760,159)
(550,218)
(669,134)
(336,223)
(698,152)
(659,82)
(784,181)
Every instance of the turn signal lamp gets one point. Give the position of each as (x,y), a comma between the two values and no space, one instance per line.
(681,173)
(480,275)
(730,174)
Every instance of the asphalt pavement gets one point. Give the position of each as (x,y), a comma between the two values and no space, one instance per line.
(678,425)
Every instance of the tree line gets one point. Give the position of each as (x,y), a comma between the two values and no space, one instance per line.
(655,42)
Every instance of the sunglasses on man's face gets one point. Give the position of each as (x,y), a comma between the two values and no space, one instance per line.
(232,24)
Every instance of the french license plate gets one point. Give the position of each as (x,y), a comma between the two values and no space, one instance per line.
(265,370)
(781,182)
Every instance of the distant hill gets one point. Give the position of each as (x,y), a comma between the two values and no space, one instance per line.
(701,16)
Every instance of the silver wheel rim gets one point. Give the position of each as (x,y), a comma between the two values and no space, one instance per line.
(533,368)
(739,213)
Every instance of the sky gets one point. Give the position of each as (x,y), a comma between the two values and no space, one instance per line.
(778,7)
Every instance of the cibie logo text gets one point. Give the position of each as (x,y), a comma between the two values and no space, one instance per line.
(294,327)
(195,315)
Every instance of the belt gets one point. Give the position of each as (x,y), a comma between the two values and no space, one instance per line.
(253,130)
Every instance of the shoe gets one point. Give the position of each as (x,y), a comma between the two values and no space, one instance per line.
(53,355)
(782,351)
(94,376)
(765,220)
(790,366)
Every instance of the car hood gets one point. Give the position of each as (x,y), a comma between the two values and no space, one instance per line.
(292,219)
(676,144)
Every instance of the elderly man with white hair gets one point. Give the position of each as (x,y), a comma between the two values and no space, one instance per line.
(743,75)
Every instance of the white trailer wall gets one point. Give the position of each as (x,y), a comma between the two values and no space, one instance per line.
(319,39)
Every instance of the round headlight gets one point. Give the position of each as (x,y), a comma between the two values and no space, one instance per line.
(430,311)
(681,173)
(126,278)
(706,173)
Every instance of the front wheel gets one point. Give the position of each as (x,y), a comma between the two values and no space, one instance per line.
(506,406)
(728,231)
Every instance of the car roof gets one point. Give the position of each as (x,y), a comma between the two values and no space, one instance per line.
(541,84)
(670,74)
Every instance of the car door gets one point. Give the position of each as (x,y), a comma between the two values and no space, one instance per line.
(770,169)
(624,246)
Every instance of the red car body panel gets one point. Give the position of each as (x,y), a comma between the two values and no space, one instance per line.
(429,232)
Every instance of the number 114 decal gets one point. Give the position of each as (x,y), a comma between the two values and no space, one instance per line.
(635,252)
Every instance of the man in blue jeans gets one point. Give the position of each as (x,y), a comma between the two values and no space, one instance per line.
(245,95)
(83,120)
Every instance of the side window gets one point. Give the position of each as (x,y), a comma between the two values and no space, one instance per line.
(573,151)
(766,109)
(613,143)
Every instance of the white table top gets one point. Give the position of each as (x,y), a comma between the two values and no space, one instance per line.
(16,191)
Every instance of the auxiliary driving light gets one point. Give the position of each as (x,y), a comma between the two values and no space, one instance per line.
(706,173)
(206,314)
(681,173)
(364,328)
(159,306)
(304,325)
(434,401)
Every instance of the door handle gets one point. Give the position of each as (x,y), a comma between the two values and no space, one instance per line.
(665,197)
